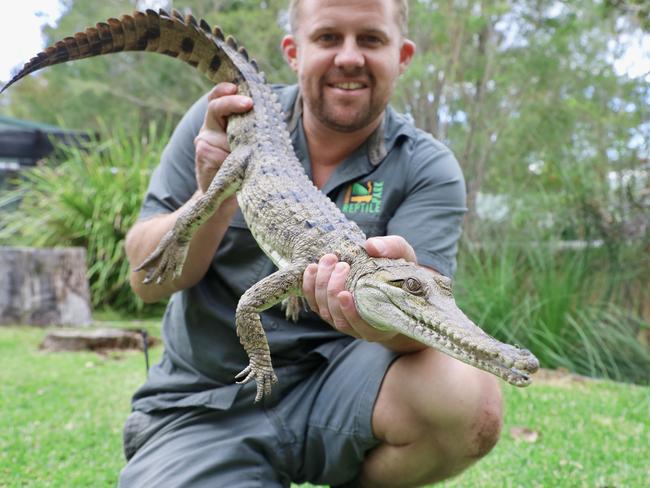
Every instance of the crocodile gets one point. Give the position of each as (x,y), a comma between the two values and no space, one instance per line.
(293,222)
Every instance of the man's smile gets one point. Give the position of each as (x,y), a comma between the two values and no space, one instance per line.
(349,85)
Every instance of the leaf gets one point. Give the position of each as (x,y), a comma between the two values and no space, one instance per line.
(525,434)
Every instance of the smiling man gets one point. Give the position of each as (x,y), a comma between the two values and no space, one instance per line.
(354,406)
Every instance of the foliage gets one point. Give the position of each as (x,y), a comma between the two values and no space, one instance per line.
(90,199)
(158,88)
(523,90)
(557,303)
(63,414)
(528,97)
(637,11)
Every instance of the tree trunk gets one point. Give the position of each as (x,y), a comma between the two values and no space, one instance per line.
(44,286)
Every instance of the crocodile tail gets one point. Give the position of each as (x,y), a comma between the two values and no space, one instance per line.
(208,50)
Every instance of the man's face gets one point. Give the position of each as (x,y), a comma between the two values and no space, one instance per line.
(348,55)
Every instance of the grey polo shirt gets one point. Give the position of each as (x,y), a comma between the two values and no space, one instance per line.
(400,181)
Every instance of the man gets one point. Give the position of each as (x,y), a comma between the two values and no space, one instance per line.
(353,405)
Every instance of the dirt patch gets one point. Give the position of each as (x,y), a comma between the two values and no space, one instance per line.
(559,377)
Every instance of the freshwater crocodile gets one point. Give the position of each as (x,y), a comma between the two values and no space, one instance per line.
(291,220)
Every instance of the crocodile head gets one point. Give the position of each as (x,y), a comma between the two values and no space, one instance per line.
(398,295)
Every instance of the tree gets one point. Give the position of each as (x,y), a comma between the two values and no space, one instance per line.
(527,96)
(132,87)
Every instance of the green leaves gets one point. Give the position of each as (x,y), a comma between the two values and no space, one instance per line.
(155,87)
(556,302)
(90,198)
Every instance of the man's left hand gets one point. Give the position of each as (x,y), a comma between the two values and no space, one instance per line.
(323,286)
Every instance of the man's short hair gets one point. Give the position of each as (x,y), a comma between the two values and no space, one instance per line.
(402,15)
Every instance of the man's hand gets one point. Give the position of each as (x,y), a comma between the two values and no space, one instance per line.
(211,143)
(323,286)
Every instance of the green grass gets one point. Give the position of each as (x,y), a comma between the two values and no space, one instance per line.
(62,415)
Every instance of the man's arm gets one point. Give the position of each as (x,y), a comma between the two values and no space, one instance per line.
(145,235)
(211,148)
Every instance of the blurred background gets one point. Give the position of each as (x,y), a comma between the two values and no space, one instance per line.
(546,105)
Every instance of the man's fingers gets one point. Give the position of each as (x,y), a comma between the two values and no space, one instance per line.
(393,247)
(335,286)
(219,109)
(309,284)
(349,313)
(208,150)
(212,138)
(358,326)
(211,143)
(325,269)
(222,89)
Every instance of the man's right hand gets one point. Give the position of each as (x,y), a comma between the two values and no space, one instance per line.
(211,143)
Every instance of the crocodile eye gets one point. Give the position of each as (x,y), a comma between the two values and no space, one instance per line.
(413,286)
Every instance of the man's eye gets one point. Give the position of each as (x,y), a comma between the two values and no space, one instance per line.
(327,38)
(370,40)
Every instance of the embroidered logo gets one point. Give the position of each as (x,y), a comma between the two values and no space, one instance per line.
(363,198)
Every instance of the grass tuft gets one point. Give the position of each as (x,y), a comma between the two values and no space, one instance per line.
(556,303)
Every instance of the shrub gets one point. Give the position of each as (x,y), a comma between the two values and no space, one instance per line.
(89,197)
(557,303)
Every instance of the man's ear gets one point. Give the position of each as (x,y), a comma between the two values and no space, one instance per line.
(406,52)
(290,51)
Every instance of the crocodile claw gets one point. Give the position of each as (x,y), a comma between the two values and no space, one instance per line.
(166,261)
(292,306)
(264,378)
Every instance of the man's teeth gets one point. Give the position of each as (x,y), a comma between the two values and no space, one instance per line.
(349,86)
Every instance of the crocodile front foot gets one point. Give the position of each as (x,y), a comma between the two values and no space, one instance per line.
(292,306)
(166,261)
(263,376)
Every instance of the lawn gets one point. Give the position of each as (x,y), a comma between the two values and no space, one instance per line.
(62,415)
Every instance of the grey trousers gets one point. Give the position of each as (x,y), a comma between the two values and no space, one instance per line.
(318,431)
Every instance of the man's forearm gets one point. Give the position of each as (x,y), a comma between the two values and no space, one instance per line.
(144,236)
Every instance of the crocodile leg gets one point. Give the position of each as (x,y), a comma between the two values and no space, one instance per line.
(167,260)
(262,295)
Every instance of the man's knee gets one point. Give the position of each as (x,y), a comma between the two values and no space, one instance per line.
(435,417)
(477,426)
(486,428)
(469,415)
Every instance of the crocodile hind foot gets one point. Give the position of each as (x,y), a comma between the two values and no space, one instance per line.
(166,261)
(263,376)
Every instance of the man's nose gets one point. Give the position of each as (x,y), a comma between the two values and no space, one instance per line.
(349,56)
